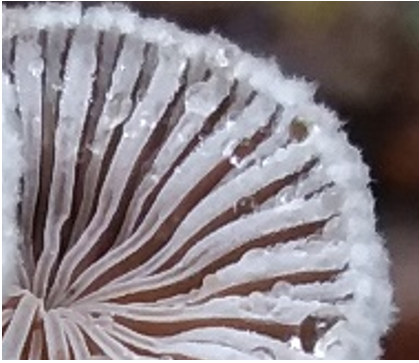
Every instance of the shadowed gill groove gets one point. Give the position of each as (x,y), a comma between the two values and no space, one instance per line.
(195,281)
(172,222)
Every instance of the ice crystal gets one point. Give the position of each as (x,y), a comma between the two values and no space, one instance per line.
(179,199)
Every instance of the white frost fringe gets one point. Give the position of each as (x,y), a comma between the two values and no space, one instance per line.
(12,171)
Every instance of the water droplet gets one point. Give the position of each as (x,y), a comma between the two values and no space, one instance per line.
(247,203)
(37,120)
(265,161)
(295,343)
(229,148)
(57,87)
(36,68)
(177,171)
(235,161)
(298,130)
(200,98)
(94,149)
(154,178)
(181,137)
(221,58)
(314,129)
(143,122)
(152,125)
(118,105)
(285,196)
(319,351)
(229,125)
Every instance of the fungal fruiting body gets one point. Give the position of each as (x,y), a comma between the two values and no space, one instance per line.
(175,197)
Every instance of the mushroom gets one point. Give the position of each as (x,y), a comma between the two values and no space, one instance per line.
(170,196)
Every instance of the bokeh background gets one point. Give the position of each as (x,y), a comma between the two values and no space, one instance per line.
(364,56)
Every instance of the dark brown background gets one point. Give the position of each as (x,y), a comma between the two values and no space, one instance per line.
(365,58)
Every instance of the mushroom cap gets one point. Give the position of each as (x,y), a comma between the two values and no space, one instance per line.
(173,196)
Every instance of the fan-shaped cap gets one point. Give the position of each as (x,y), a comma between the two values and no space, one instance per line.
(179,198)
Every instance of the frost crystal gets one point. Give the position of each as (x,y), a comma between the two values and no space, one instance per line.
(178,199)
(12,171)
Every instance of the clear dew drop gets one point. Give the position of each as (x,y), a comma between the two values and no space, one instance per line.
(221,58)
(295,343)
(235,161)
(118,109)
(265,161)
(228,149)
(57,87)
(104,320)
(130,134)
(94,149)
(199,99)
(229,125)
(285,196)
(245,203)
(36,68)
(36,120)
(319,351)
(143,122)
(298,129)
(154,177)
(181,137)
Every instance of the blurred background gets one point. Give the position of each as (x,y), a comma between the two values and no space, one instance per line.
(364,56)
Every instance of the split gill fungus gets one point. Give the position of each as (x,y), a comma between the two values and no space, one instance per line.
(167,195)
